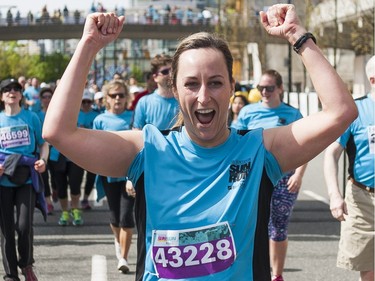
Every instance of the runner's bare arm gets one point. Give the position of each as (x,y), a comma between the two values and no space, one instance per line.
(105,153)
(299,142)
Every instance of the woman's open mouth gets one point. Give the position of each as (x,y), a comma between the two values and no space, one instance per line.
(205,116)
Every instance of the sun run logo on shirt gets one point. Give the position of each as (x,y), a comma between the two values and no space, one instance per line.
(166,239)
(238,172)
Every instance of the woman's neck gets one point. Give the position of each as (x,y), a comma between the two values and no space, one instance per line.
(117,111)
(12,110)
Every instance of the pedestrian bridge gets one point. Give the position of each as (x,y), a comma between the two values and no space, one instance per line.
(74,31)
(136,31)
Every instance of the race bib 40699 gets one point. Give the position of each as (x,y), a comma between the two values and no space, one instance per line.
(194,252)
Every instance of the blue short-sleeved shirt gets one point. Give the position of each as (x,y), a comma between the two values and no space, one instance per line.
(32,93)
(113,122)
(255,115)
(156,110)
(359,141)
(21,134)
(86,119)
(201,200)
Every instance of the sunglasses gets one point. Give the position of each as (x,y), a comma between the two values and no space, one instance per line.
(47,97)
(119,95)
(10,88)
(165,71)
(86,101)
(269,89)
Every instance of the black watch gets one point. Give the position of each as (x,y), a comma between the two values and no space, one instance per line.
(302,40)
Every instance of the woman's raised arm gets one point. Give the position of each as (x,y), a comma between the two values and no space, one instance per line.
(302,140)
(105,153)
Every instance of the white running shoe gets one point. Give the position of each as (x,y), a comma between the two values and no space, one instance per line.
(123,266)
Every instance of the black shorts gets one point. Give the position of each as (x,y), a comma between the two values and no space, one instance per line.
(121,205)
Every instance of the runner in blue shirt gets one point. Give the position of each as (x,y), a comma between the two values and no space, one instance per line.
(356,211)
(202,184)
(159,108)
(271,112)
(121,205)
(48,178)
(31,95)
(86,120)
(23,155)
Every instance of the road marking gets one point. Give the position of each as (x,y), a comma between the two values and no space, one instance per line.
(316,196)
(314,236)
(99,268)
(78,237)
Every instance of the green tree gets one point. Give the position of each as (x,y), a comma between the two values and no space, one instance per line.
(7,55)
(137,72)
(16,62)
(362,34)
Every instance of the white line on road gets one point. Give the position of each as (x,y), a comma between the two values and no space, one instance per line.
(316,236)
(99,268)
(316,196)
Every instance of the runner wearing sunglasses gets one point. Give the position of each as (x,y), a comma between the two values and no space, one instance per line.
(159,108)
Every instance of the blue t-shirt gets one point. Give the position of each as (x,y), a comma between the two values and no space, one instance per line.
(42,115)
(21,134)
(156,110)
(98,109)
(32,93)
(202,204)
(359,141)
(108,121)
(255,115)
(86,119)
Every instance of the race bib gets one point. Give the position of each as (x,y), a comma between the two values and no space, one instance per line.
(14,136)
(193,252)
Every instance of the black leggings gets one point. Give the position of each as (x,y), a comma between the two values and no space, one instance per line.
(23,199)
(90,181)
(72,175)
(48,180)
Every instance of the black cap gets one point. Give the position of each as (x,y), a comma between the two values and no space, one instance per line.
(8,82)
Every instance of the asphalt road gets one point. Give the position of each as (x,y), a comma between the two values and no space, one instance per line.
(87,253)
